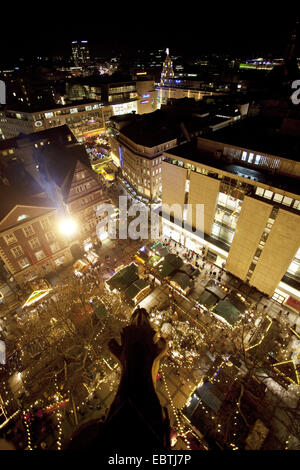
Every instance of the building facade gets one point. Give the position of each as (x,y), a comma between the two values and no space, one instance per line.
(81,53)
(251,219)
(30,243)
(83,118)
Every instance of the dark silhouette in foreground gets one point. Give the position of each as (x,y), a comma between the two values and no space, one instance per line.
(136,419)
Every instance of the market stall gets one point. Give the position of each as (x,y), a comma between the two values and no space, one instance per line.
(80,267)
(227,312)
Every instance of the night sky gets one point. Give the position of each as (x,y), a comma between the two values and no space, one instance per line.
(241,30)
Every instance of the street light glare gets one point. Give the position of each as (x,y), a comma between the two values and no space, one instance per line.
(68,227)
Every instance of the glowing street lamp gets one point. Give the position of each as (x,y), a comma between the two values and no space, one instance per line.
(68,227)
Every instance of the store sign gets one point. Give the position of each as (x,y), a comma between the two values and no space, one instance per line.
(294,303)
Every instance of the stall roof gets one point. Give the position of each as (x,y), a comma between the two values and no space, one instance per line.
(169,265)
(190,270)
(182,279)
(132,291)
(123,278)
(237,302)
(228,311)
(215,289)
(208,299)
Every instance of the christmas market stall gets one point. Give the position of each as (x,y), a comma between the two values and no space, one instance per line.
(207,300)
(153,255)
(239,301)
(92,257)
(123,278)
(181,282)
(168,266)
(227,312)
(137,290)
(80,267)
(217,289)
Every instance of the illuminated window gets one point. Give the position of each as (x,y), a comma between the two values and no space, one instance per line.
(21,217)
(10,238)
(257,159)
(54,247)
(250,159)
(296,205)
(39,255)
(28,231)
(287,201)
(17,251)
(34,243)
(244,156)
(44,224)
(268,194)
(24,263)
(259,191)
(277,197)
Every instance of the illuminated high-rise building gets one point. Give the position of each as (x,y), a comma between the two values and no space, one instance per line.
(167,71)
(80,53)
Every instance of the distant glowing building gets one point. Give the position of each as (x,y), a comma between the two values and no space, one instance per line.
(80,53)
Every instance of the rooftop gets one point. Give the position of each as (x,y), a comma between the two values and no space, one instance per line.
(164,125)
(58,134)
(20,189)
(58,162)
(258,134)
(190,151)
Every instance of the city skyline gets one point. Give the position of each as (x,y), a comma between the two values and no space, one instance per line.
(225,34)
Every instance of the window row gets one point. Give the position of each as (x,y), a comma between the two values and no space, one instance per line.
(276,197)
(28,231)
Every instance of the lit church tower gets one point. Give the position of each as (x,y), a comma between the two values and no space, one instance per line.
(167,71)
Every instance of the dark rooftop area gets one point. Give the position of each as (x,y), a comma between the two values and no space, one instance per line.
(17,187)
(260,135)
(190,151)
(166,124)
(58,134)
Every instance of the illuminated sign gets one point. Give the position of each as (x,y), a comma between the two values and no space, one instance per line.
(144,102)
(146,96)
(38,123)
(142,73)
(35,296)
(121,156)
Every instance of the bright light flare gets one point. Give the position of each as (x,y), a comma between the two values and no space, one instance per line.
(68,227)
